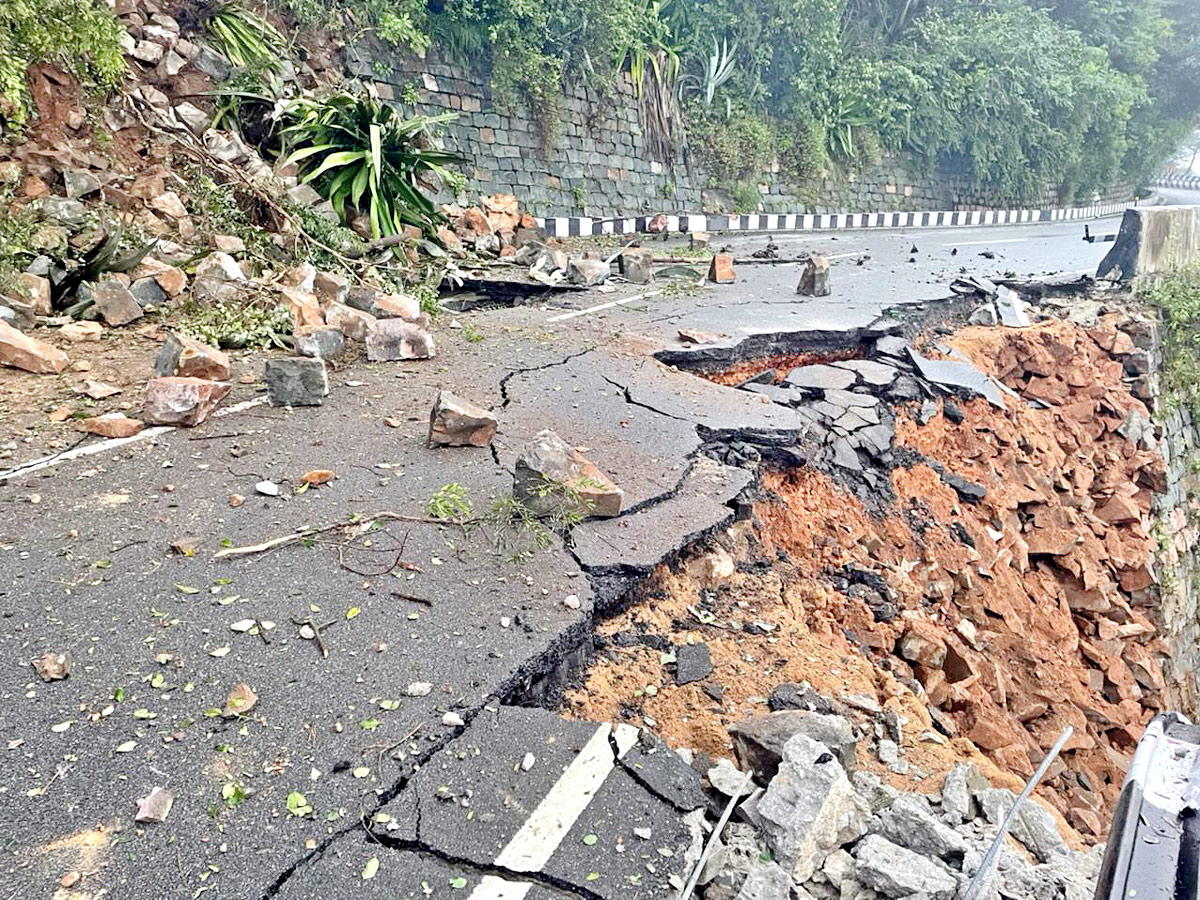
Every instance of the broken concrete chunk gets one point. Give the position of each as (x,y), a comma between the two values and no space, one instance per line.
(957,374)
(896,872)
(727,779)
(692,663)
(190,358)
(637,265)
(821,377)
(758,741)
(53,666)
(909,822)
(869,371)
(809,809)
(962,783)
(181,401)
(1011,308)
(155,806)
(456,422)
(1034,826)
(550,477)
(320,342)
(814,279)
(20,351)
(115,304)
(720,270)
(395,339)
(296,381)
(588,272)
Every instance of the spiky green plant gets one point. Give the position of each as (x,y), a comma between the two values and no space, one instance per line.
(247,39)
(363,156)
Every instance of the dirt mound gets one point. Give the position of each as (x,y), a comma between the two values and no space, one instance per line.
(1005,597)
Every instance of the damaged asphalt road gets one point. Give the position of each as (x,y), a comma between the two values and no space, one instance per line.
(343,724)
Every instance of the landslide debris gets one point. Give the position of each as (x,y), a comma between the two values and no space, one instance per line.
(1005,593)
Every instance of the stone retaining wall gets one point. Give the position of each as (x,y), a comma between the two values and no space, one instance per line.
(599,165)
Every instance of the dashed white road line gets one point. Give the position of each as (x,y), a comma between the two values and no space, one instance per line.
(536,840)
(146,434)
(981,243)
(562,317)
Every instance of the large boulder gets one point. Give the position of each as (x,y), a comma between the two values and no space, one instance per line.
(549,476)
(896,872)
(809,809)
(456,422)
(758,741)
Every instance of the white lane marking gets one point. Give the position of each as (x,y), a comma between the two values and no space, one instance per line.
(981,243)
(609,305)
(535,841)
(146,434)
(493,888)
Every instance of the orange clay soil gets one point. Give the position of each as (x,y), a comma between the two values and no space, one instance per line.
(1018,615)
(780,366)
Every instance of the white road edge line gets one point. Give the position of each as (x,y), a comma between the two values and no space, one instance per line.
(609,305)
(535,841)
(113,443)
(981,243)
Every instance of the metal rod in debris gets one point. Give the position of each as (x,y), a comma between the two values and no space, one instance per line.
(979,881)
(715,836)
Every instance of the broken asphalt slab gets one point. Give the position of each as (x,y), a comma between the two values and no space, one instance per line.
(524,793)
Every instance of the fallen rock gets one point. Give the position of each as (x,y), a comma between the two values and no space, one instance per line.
(814,279)
(190,358)
(896,872)
(155,806)
(96,390)
(331,287)
(113,425)
(53,666)
(588,272)
(910,823)
(550,476)
(758,741)
(958,791)
(456,422)
(181,401)
(78,332)
(148,292)
(637,265)
(720,271)
(219,267)
(727,779)
(353,323)
(20,351)
(396,306)
(809,809)
(296,381)
(36,292)
(396,339)
(18,314)
(320,342)
(80,183)
(317,477)
(306,311)
(115,304)
(690,336)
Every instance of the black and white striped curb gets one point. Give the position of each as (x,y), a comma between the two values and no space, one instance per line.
(587,226)
(1187,182)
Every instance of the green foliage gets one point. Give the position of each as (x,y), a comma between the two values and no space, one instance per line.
(735,148)
(235,326)
(364,157)
(18,230)
(1178,296)
(80,35)
(450,501)
(518,532)
(247,39)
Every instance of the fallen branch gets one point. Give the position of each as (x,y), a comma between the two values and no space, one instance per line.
(362,523)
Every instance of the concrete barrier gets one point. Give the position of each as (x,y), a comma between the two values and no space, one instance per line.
(1153,241)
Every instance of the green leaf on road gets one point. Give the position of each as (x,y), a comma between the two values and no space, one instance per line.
(370,868)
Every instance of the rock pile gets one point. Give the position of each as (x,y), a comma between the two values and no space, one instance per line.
(818,831)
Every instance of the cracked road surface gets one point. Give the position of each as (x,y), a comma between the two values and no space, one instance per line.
(353,751)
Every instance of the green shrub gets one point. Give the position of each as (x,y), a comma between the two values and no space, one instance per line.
(82,36)
(734,149)
(363,156)
(1178,296)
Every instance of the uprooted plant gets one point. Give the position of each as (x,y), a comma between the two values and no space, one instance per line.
(368,160)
